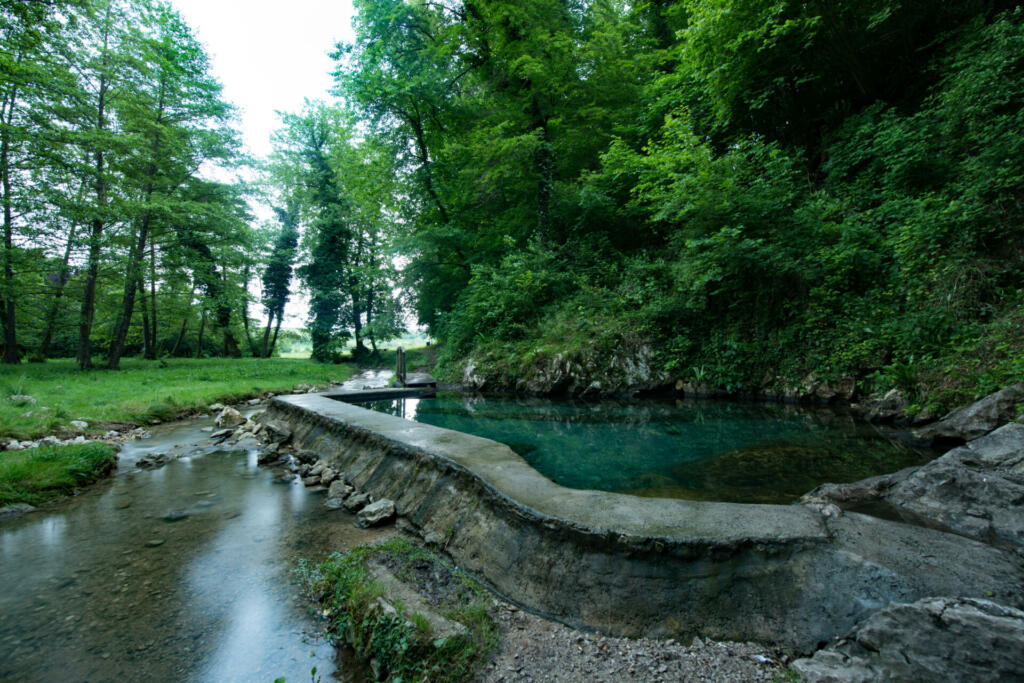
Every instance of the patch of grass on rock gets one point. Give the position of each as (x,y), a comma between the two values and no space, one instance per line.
(36,475)
(400,642)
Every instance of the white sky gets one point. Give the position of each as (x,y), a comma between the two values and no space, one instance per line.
(269,54)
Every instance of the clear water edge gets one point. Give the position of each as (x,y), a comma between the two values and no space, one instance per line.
(702,450)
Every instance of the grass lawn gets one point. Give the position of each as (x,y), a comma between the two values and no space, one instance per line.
(37,475)
(141,390)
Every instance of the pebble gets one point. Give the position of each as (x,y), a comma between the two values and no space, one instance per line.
(155,542)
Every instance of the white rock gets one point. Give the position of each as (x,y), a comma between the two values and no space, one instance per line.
(229,417)
(376,513)
(79,424)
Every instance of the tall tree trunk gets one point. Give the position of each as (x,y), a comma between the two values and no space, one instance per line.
(230,347)
(152,296)
(277,328)
(424,158)
(248,336)
(133,277)
(93,264)
(132,284)
(184,321)
(10,348)
(266,336)
(58,294)
(147,341)
(245,313)
(202,328)
(181,335)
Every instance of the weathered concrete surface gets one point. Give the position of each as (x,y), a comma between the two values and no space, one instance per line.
(640,566)
(976,490)
(935,639)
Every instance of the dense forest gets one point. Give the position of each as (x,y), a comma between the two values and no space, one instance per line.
(754,190)
(127,217)
(747,194)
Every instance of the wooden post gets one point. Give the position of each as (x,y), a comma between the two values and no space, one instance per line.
(400,365)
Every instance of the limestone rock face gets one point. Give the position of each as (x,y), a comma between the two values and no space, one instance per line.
(979,418)
(229,417)
(889,408)
(934,639)
(587,372)
(376,514)
(975,490)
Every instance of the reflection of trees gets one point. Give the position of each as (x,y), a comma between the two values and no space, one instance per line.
(717,450)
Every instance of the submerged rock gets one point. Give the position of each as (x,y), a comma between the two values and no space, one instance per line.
(153,461)
(375,514)
(15,510)
(934,639)
(978,419)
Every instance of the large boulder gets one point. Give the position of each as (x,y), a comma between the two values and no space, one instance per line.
(934,639)
(376,514)
(978,419)
(976,490)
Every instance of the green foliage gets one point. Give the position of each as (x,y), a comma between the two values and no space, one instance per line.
(783,188)
(401,642)
(40,474)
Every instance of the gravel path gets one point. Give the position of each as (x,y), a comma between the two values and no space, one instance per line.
(535,649)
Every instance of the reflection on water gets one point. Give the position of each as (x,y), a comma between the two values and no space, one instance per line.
(703,450)
(182,573)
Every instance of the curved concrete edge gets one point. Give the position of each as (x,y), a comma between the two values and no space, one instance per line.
(511,477)
(639,566)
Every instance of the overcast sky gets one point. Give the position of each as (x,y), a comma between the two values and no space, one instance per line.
(269,54)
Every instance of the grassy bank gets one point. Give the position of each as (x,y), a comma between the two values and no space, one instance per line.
(402,643)
(40,474)
(141,390)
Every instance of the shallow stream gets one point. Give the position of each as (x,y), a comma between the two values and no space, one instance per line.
(181,573)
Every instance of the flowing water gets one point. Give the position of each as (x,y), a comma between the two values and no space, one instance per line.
(700,450)
(181,573)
